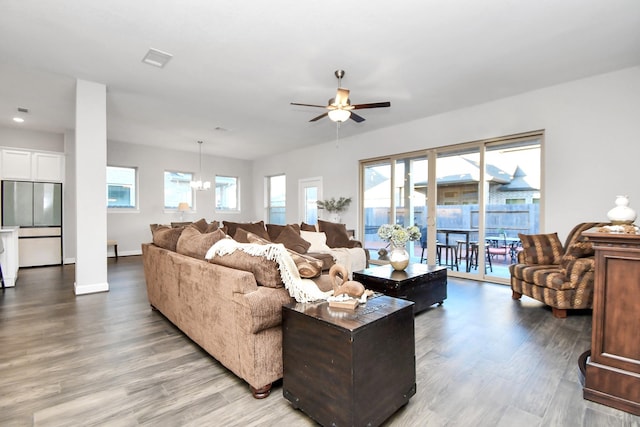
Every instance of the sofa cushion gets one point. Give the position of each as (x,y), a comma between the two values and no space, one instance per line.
(308,267)
(337,234)
(545,249)
(166,237)
(317,240)
(195,244)
(545,276)
(253,227)
(291,239)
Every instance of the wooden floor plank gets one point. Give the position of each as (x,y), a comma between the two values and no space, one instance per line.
(482,359)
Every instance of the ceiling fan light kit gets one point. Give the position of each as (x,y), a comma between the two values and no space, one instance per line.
(339,115)
(340,108)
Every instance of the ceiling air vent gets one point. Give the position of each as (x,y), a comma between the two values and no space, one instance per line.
(157,58)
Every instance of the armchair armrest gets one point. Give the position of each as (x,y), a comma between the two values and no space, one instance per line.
(577,270)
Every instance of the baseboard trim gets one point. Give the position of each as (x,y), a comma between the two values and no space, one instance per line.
(91,288)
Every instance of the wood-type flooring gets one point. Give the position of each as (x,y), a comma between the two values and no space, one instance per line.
(107,359)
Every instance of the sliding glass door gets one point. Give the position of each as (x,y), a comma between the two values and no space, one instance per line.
(512,205)
(410,196)
(458,177)
(376,205)
(483,194)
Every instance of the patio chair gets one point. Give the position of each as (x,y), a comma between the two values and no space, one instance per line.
(499,247)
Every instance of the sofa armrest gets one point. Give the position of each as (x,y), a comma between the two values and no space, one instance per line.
(262,309)
(580,269)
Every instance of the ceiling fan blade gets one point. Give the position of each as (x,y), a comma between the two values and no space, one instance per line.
(342,97)
(372,105)
(308,105)
(319,117)
(356,118)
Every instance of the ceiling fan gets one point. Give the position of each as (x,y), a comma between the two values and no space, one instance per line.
(340,108)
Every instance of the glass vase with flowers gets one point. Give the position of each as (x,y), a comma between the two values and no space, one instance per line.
(398,236)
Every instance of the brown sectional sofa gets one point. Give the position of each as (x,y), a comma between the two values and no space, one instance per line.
(231,314)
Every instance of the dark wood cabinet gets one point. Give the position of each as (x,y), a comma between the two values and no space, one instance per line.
(349,368)
(612,375)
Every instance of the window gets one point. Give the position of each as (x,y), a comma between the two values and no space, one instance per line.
(309,192)
(227,193)
(276,199)
(121,188)
(177,189)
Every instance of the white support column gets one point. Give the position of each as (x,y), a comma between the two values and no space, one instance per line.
(91,178)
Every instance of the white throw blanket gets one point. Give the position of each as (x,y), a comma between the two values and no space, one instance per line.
(353,259)
(303,290)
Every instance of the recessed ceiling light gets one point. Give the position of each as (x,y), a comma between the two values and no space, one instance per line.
(157,58)
(18,119)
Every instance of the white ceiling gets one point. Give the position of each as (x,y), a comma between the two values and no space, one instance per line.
(237,65)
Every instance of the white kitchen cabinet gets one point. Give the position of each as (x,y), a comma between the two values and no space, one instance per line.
(26,165)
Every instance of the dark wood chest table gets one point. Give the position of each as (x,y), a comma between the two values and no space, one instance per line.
(349,368)
(423,284)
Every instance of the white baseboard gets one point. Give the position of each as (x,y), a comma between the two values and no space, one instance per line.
(90,288)
(120,253)
(129,253)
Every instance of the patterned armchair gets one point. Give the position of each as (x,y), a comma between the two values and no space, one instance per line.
(559,276)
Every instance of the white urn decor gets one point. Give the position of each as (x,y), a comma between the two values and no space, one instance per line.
(622,213)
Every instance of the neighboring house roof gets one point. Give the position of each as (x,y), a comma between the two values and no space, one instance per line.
(520,182)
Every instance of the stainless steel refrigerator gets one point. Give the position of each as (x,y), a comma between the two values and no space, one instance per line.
(37,208)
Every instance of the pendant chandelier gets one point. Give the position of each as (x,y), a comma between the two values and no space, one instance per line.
(199,184)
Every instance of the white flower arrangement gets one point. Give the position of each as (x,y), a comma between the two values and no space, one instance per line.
(398,235)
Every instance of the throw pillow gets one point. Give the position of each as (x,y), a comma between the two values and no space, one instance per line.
(545,249)
(308,267)
(241,235)
(212,226)
(337,234)
(577,249)
(180,224)
(195,244)
(317,240)
(201,225)
(307,227)
(274,230)
(290,238)
(253,227)
(166,237)
(265,271)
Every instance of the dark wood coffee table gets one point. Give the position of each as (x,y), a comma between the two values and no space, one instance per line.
(349,368)
(423,284)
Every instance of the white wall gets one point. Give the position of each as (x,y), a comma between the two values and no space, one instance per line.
(591,148)
(32,140)
(132,229)
(591,155)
